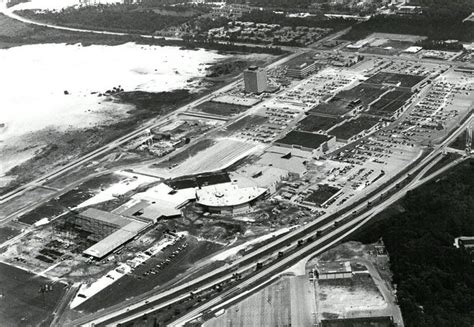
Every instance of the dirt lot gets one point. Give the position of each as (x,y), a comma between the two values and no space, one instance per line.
(343,296)
(269,307)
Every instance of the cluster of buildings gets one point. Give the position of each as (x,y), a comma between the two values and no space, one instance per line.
(213,193)
(230,11)
(251,32)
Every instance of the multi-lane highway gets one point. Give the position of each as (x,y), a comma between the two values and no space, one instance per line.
(153,123)
(348,223)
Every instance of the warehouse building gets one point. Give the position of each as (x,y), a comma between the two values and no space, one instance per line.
(110,230)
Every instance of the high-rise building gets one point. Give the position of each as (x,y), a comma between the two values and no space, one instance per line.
(255,80)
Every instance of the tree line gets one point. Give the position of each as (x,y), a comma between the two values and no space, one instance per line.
(435,280)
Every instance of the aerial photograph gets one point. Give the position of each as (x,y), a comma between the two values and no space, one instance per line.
(234,163)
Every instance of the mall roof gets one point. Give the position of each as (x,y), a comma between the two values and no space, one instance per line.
(116,239)
(105,216)
(225,195)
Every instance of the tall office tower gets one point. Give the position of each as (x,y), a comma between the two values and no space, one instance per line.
(255,80)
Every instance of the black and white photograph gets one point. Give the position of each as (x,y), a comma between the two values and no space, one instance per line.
(236,163)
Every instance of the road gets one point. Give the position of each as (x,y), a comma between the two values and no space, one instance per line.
(318,246)
(153,123)
(336,235)
(63,303)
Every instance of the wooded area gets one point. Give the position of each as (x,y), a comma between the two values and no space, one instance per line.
(435,280)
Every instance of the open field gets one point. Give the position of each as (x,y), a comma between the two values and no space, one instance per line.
(269,307)
(247,122)
(221,109)
(7,232)
(12,206)
(220,155)
(183,155)
(349,297)
(322,194)
(21,302)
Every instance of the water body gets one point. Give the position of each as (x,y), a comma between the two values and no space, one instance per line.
(59,4)
(56,86)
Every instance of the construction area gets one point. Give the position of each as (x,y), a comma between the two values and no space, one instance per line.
(257,159)
(348,283)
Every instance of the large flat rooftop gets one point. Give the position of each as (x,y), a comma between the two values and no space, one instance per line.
(353,127)
(304,139)
(401,80)
(116,239)
(106,217)
(227,195)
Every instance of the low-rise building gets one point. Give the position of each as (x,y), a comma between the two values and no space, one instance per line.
(301,69)
(228,198)
(334,270)
(110,230)
(317,144)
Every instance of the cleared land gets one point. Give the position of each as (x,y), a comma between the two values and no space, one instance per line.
(183,155)
(269,307)
(347,297)
(221,109)
(322,194)
(247,122)
(220,155)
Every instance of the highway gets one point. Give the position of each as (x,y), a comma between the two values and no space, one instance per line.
(152,303)
(338,234)
(348,221)
(153,123)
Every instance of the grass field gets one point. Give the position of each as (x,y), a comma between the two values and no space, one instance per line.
(221,109)
(21,303)
(250,121)
(7,232)
(322,194)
